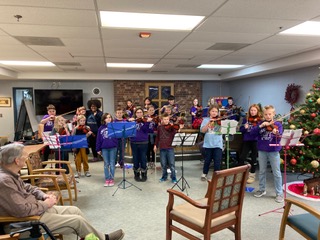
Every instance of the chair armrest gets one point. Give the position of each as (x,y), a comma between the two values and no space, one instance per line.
(173,192)
(8,219)
(304,206)
(51,170)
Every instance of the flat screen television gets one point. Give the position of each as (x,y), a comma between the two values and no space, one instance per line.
(64,100)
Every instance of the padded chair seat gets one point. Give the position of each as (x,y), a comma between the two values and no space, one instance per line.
(47,182)
(197,216)
(307,223)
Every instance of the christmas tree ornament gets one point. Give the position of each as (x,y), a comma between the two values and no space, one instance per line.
(315,164)
(310,100)
(301,158)
(302,111)
(313,115)
(281,161)
(316,131)
(306,133)
(293,161)
(309,94)
(318,100)
(292,126)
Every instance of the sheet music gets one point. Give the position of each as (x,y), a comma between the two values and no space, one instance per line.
(229,126)
(188,139)
(51,140)
(290,137)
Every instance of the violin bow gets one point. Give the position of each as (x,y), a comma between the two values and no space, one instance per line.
(288,114)
(66,113)
(248,109)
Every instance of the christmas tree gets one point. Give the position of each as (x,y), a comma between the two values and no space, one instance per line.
(305,159)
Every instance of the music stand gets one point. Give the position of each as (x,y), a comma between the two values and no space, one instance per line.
(288,138)
(181,140)
(228,127)
(122,130)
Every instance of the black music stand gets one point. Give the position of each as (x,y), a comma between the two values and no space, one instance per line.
(288,138)
(181,140)
(228,127)
(122,130)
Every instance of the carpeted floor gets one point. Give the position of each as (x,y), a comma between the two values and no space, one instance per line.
(142,213)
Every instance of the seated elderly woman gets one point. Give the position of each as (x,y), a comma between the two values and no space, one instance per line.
(20,199)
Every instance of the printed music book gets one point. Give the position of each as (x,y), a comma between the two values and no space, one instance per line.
(229,126)
(290,137)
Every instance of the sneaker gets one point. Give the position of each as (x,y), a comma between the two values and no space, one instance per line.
(111,183)
(106,184)
(87,174)
(162,179)
(174,180)
(251,178)
(116,235)
(204,177)
(168,171)
(117,165)
(259,193)
(76,175)
(279,199)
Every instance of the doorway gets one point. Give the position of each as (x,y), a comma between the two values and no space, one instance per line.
(18,95)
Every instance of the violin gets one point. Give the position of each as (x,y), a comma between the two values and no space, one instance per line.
(170,127)
(142,120)
(85,129)
(254,120)
(216,120)
(270,127)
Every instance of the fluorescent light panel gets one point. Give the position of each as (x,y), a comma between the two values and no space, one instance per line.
(129,65)
(148,20)
(306,28)
(219,66)
(27,63)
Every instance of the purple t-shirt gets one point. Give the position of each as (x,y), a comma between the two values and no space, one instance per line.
(48,125)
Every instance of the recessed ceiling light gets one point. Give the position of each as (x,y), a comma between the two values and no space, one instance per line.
(219,66)
(129,65)
(306,28)
(27,63)
(148,20)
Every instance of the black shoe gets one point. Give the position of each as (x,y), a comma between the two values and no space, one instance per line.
(116,235)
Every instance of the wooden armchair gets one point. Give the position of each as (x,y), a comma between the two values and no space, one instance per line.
(307,224)
(220,208)
(65,181)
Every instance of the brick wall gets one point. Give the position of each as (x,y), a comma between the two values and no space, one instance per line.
(184,92)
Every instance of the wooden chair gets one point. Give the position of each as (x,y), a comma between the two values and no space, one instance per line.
(220,208)
(65,181)
(307,224)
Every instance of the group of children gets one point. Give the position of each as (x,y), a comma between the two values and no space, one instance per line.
(259,132)
(261,136)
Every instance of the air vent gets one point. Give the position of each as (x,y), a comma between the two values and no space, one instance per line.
(159,71)
(40,41)
(228,46)
(187,66)
(69,64)
(137,71)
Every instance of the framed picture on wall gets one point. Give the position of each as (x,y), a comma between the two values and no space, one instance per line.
(101,100)
(5,101)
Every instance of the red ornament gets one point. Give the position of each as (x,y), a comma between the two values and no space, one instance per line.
(313,115)
(316,131)
(293,161)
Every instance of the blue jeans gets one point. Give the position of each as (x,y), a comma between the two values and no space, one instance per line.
(274,159)
(109,157)
(139,155)
(216,155)
(167,159)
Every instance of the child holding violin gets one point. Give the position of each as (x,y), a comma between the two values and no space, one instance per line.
(119,118)
(194,109)
(269,132)
(152,136)
(82,153)
(212,144)
(60,127)
(130,109)
(48,122)
(139,145)
(250,141)
(164,138)
(107,148)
